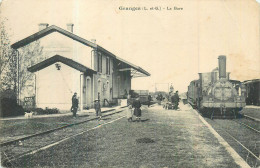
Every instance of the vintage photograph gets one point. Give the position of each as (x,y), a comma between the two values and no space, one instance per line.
(129,83)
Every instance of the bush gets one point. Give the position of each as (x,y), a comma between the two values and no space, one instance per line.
(40,111)
(9,107)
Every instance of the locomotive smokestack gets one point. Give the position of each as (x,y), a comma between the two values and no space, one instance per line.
(222,66)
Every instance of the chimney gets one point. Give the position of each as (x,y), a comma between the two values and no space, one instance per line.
(43,26)
(93,41)
(222,66)
(70,27)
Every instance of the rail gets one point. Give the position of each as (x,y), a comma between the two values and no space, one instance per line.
(248,126)
(249,151)
(9,160)
(252,118)
(55,129)
(237,141)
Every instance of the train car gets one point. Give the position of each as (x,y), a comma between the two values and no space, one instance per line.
(193,94)
(142,94)
(214,92)
(252,92)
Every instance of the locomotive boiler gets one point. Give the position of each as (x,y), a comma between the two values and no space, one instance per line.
(215,93)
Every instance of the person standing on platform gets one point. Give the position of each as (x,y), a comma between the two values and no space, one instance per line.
(173,99)
(129,113)
(97,107)
(75,104)
(98,96)
(149,100)
(137,111)
(176,100)
(125,94)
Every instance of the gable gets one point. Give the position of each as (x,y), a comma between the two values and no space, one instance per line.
(49,30)
(58,58)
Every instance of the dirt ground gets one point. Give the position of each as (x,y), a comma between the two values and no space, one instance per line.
(164,138)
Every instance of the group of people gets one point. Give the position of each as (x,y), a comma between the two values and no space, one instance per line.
(75,105)
(175,100)
(172,97)
(134,109)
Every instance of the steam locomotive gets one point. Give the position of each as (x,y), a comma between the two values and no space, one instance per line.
(215,93)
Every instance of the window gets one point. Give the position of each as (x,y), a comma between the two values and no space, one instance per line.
(107,65)
(99,61)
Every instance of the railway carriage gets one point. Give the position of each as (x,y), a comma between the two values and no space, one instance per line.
(142,94)
(193,93)
(215,93)
(252,92)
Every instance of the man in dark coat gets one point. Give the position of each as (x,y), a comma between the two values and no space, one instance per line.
(149,100)
(75,104)
(137,111)
(175,100)
(97,107)
(172,99)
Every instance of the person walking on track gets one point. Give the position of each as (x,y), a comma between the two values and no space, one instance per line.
(75,104)
(97,107)
(137,111)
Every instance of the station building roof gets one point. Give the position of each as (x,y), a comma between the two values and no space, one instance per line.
(58,58)
(136,71)
(251,81)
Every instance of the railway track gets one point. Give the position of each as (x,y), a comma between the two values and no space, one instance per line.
(12,150)
(251,118)
(248,126)
(252,151)
(249,141)
(51,130)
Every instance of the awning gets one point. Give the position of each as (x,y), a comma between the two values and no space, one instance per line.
(136,71)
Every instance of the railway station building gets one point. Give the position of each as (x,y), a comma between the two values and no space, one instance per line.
(73,64)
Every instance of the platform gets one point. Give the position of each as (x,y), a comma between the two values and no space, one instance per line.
(163,138)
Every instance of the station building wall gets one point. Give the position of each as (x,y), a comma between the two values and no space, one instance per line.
(56,43)
(121,82)
(103,80)
(55,88)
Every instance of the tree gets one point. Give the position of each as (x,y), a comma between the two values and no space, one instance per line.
(8,61)
(8,76)
(28,55)
(13,65)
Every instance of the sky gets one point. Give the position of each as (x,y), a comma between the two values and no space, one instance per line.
(173,45)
